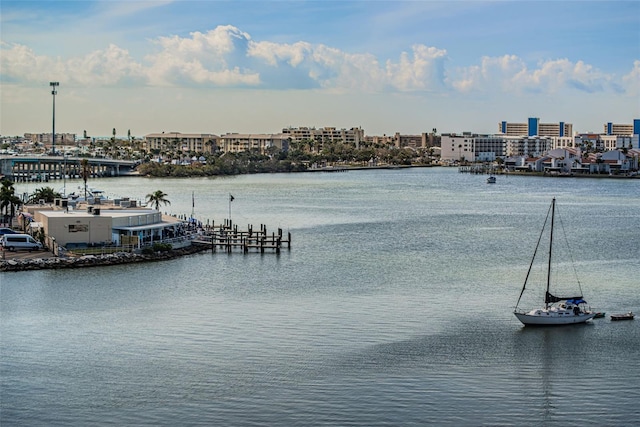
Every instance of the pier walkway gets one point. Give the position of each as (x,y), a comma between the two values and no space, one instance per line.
(228,238)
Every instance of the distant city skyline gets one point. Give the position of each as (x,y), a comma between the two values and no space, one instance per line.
(258,67)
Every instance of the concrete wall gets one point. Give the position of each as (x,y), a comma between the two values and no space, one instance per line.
(75,228)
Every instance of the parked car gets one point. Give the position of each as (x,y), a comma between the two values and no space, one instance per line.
(13,242)
(4,230)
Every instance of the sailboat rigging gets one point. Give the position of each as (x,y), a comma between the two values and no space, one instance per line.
(557,310)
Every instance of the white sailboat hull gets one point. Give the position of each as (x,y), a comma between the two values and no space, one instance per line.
(549,317)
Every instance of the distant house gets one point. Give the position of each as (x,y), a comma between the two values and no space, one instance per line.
(560,160)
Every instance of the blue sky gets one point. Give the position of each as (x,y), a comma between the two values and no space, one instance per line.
(257,67)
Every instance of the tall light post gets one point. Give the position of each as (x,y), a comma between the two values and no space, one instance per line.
(64,175)
(54,85)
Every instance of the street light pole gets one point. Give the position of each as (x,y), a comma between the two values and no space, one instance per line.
(64,175)
(54,85)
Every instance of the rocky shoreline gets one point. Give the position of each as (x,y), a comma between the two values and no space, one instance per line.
(96,260)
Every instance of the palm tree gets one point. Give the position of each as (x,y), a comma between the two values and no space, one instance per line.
(47,194)
(8,201)
(84,173)
(156,198)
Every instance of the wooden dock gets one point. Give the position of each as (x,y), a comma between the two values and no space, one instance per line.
(228,238)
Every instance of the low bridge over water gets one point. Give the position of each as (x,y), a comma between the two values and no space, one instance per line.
(45,168)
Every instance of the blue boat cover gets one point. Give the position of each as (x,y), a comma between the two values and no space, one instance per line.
(576,301)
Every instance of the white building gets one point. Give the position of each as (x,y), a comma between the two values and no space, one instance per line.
(352,136)
(184,142)
(469,147)
(239,142)
(99,226)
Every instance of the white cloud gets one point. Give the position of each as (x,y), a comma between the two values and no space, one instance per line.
(210,58)
(510,74)
(109,67)
(423,71)
(274,53)
(102,67)
(632,80)
(334,69)
(228,57)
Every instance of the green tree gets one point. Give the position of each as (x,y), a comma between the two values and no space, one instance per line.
(85,171)
(156,198)
(47,194)
(9,202)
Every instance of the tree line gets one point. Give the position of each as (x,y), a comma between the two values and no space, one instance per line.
(298,158)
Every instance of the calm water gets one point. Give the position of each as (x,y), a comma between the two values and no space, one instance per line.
(394,307)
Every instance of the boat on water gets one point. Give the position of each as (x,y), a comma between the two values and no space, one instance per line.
(624,316)
(557,310)
(599,314)
(491,180)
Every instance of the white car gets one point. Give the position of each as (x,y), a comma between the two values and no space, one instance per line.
(16,242)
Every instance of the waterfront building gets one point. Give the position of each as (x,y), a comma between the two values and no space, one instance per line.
(353,136)
(411,141)
(99,225)
(457,148)
(612,162)
(379,141)
(474,147)
(563,142)
(264,143)
(533,146)
(533,127)
(182,142)
(594,142)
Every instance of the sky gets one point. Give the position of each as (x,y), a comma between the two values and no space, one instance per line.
(218,67)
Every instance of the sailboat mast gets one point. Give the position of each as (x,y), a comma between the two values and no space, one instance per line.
(553,215)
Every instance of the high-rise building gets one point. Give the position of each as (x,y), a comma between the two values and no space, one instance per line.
(533,127)
(624,129)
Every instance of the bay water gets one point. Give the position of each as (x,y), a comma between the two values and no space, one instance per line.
(392,307)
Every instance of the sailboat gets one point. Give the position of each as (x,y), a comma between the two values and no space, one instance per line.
(564,310)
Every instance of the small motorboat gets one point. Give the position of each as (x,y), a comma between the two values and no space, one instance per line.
(491,180)
(599,314)
(623,316)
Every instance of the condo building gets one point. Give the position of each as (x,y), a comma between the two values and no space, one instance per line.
(469,147)
(353,136)
(622,129)
(411,141)
(533,127)
(238,142)
(185,142)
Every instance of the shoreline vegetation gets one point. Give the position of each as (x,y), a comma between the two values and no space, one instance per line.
(338,158)
(194,170)
(295,160)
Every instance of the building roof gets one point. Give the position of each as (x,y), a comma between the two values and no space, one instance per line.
(111,213)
